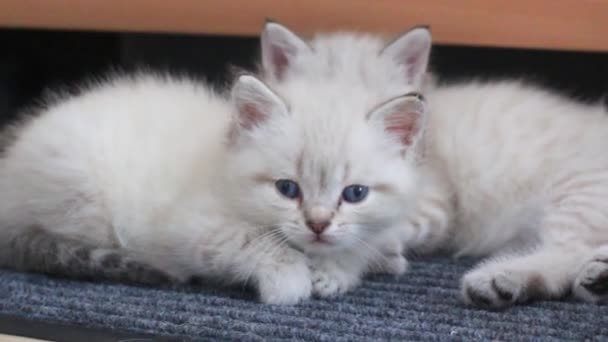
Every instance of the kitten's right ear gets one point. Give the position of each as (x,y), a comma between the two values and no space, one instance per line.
(411,51)
(255,103)
(402,119)
(279,47)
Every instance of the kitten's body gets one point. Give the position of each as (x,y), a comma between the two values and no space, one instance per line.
(528,172)
(507,170)
(477,133)
(133,172)
(144,176)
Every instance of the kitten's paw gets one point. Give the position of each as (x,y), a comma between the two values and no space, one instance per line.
(389,264)
(395,265)
(591,284)
(390,260)
(330,280)
(493,289)
(289,284)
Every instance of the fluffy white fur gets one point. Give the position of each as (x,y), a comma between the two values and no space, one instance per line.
(507,170)
(328,85)
(141,164)
(184,180)
(528,172)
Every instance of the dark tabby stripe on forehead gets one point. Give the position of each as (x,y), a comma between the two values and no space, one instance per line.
(38,251)
(323,179)
(346,175)
(299,164)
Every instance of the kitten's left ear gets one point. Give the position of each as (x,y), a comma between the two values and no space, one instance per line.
(255,103)
(402,118)
(411,50)
(279,47)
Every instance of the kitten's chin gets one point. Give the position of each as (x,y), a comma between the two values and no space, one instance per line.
(325,246)
(310,244)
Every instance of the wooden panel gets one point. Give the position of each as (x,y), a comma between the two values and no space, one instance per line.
(552,24)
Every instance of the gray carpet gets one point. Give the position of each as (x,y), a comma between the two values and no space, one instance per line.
(423,305)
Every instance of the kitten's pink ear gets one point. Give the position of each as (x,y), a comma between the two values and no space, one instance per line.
(402,118)
(279,47)
(411,51)
(255,103)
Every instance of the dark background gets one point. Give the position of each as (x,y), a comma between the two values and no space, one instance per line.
(34,60)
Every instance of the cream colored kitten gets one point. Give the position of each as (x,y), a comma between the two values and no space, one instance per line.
(134,179)
(338,88)
(143,176)
(509,170)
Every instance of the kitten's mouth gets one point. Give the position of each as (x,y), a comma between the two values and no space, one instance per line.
(320,240)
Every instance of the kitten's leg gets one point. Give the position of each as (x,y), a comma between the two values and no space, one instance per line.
(284,278)
(34,250)
(591,284)
(426,231)
(279,273)
(575,222)
(502,281)
(336,274)
(429,225)
(389,259)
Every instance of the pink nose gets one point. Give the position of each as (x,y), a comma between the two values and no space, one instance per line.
(318,227)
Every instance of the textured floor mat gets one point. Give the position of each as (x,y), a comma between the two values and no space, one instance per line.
(422,305)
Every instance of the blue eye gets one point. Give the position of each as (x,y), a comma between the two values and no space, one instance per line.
(288,188)
(355,193)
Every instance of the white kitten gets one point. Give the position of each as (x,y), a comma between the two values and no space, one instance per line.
(509,170)
(137,171)
(165,173)
(314,88)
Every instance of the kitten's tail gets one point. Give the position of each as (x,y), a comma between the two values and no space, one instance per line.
(35,250)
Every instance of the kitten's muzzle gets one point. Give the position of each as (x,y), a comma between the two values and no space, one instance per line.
(318,227)
(318,218)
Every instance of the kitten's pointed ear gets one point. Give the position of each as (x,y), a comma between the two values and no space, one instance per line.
(255,103)
(411,50)
(279,47)
(402,118)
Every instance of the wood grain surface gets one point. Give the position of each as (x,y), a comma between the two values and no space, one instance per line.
(549,24)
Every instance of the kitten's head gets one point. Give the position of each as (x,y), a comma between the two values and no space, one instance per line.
(329,170)
(390,67)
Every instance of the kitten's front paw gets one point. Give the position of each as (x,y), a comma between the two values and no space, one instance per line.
(392,264)
(289,284)
(328,280)
(591,284)
(493,289)
(390,260)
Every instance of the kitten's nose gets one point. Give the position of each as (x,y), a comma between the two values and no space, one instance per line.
(318,218)
(318,227)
